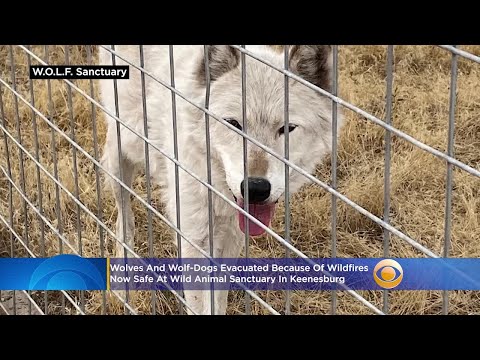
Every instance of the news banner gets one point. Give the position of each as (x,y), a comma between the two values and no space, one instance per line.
(72,272)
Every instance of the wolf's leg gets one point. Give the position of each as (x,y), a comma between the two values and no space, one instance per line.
(227,234)
(194,224)
(200,300)
(118,167)
(227,243)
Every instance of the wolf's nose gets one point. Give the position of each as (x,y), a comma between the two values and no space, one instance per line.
(258,189)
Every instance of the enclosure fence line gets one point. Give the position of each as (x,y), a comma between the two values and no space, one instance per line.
(285,241)
(333,307)
(448,190)
(386,175)
(82,206)
(123,185)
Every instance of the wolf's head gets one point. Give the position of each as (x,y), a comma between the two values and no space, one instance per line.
(310,121)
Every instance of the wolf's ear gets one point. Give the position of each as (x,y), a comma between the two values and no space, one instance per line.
(313,63)
(221,59)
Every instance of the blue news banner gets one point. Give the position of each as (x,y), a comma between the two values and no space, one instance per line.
(71,272)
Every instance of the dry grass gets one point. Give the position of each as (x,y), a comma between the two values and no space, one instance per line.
(421,97)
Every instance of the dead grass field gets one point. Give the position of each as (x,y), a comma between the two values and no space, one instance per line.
(420,108)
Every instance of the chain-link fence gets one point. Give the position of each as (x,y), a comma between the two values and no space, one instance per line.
(400,180)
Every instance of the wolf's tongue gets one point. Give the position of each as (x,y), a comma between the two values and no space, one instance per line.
(262,212)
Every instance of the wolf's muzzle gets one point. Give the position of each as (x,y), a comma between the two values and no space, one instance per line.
(258,189)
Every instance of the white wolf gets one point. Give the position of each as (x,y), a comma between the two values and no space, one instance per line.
(310,135)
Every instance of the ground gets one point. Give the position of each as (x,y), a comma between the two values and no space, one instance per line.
(418,180)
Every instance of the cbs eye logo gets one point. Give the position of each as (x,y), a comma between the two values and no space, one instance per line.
(67,272)
(388,274)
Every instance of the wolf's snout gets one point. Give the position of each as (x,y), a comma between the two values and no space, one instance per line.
(258,189)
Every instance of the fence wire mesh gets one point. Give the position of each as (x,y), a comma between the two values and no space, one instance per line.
(402,179)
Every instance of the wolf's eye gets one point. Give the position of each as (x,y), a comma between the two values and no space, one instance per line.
(291,127)
(234,123)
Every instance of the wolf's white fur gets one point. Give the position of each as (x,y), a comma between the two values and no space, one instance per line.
(309,142)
